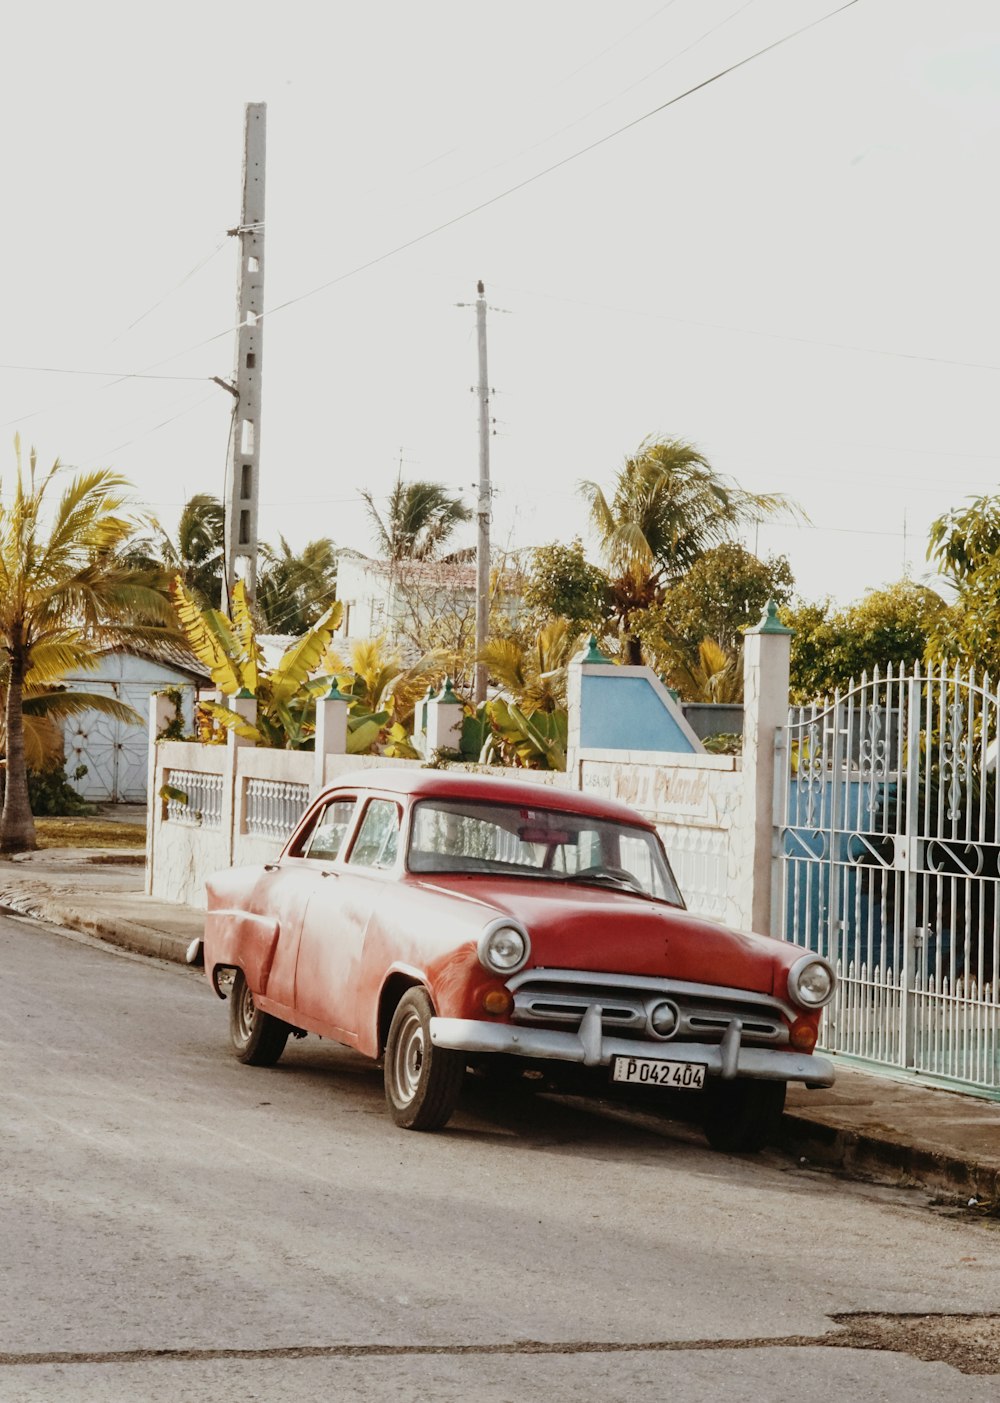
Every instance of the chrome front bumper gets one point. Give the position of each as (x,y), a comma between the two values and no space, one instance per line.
(591,1048)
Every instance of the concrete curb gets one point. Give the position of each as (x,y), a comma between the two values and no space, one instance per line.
(128,935)
(866,1154)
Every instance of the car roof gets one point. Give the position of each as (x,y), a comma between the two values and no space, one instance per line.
(463,784)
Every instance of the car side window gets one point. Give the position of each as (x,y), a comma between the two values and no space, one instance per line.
(330,831)
(378,837)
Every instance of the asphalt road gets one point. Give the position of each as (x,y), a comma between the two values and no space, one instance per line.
(176,1226)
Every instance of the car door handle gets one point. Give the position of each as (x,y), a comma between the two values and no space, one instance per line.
(271,866)
(328,873)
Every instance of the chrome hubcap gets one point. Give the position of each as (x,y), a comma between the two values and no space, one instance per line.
(408,1059)
(245,1014)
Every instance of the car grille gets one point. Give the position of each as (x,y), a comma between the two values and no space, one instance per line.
(560,998)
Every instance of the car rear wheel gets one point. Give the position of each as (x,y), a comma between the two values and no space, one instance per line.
(258,1039)
(422,1082)
(742,1116)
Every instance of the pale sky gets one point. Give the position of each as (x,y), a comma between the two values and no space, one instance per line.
(795,268)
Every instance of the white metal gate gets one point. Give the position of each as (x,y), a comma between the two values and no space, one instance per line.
(888,863)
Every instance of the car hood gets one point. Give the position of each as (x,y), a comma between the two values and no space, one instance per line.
(575,926)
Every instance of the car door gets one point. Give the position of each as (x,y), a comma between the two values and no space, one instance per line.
(285,889)
(329,973)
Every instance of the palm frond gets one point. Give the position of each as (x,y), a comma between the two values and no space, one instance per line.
(60,704)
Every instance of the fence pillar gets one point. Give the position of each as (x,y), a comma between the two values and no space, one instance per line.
(245,706)
(766,653)
(331,732)
(445,714)
(161,713)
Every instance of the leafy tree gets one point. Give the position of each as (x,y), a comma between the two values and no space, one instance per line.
(830,648)
(295,590)
(964,544)
(723,593)
(65,582)
(418,519)
(562,583)
(667,508)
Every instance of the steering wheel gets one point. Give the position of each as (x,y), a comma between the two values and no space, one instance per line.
(613,874)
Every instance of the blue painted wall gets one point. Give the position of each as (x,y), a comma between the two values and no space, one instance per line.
(627,713)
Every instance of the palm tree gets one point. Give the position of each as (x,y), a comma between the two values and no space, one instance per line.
(533,676)
(69,584)
(196,552)
(294,590)
(668,507)
(419,518)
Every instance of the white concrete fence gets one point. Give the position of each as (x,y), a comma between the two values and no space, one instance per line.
(715,812)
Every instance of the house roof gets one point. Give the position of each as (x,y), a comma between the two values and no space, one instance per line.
(169,652)
(439,574)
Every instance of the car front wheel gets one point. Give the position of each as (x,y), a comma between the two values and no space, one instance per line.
(742,1116)
(258,1039)
(422,1082)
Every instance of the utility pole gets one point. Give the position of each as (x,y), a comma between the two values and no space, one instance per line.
(484,504)
(243,460)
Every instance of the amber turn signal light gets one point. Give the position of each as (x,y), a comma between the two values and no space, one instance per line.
(498,1001)
(803,1035)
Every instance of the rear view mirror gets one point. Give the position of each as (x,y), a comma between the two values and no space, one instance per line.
(556,836)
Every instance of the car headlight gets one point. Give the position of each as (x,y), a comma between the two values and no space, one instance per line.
(811,982)
(504,947)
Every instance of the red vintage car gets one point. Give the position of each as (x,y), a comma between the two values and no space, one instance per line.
(442,921)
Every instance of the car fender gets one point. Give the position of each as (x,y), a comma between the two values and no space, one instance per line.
(240,940)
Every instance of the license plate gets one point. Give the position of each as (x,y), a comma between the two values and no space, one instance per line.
(650,1071)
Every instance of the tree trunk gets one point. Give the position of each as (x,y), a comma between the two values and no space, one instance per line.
(633,651)
(17,827)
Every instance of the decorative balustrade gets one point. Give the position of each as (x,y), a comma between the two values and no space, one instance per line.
(274,807)
(201,806)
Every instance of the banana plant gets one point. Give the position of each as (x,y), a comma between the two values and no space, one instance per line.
(285,695)
(500,733)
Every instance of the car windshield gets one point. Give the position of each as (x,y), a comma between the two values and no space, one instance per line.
(455,835)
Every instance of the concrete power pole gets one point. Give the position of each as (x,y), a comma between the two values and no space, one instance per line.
(243,462)
(484,503)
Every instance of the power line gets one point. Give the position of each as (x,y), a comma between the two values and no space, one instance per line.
(482,205)
(526,150)
(106,374)
(117,377)
(522,184)
(749,331)
(170,291)
(620,40)
(156,427)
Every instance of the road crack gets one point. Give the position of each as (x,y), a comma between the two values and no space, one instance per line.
(969,1343)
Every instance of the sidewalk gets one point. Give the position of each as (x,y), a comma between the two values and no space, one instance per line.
(877,1126)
